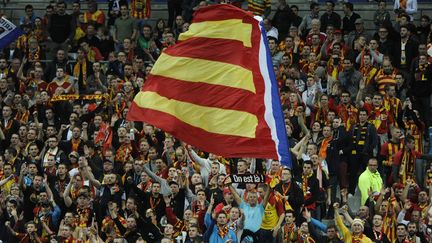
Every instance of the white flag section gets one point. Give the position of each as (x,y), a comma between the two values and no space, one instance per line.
(8,32)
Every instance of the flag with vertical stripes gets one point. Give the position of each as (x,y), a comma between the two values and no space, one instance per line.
(215,89)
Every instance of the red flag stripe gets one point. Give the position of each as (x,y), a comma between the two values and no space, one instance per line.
(215,95)
(233,52)
(213,13)
(220,144)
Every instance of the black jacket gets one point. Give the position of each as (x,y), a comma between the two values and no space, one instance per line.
(61,28)
(333,19)
(51,69)
(411,51)
(282,21)
(348,23)
(295,195)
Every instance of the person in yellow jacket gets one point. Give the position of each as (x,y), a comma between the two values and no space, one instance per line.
(370,181)
(357,227)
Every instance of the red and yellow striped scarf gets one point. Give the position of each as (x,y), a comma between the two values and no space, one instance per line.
(394,105)
(290,232)
(305,183)
(389,221)
(348,114)
(369,72)
(392,150)
(22,117)
(321,114)
(108,223)
(81,68)
(407,166)
(305,238)
(223,231)
(416,132)
(84,215)
(123,153)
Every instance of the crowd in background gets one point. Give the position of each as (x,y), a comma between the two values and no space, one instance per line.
(357,106)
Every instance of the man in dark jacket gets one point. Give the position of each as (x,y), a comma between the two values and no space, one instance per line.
(405,50)
(421,87)
(364,141)
(59,61)
(60,28)
(330,17)
(291,191)
(282,19)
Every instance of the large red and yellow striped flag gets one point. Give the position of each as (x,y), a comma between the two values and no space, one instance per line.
(216,88)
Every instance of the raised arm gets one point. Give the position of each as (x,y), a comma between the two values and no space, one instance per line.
(236,196)
(359,97)
(196,158)
(2,136)
(300,147)
(339,223)
(380,198)
(20,73)
(165,189)
(267,195)
(346,214)
(301,122)
(2,182)
(7,224)
(66,194)
(23,172)
(208,220)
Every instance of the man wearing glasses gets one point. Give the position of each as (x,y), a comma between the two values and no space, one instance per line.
(370,181)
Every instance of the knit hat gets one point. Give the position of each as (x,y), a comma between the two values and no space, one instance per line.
(358,221)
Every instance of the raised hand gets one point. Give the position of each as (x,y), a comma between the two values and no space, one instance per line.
(336,206)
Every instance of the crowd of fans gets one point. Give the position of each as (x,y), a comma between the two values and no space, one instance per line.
(357,105)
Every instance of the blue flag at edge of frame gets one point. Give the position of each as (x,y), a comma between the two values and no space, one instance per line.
(8,32)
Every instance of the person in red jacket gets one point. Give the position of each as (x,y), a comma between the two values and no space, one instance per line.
(404,163)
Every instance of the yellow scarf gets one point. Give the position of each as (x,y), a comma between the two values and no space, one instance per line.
(83,70)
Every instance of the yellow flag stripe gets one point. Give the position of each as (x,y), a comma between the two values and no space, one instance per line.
(233,29)
(210,119)
(200,70)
